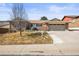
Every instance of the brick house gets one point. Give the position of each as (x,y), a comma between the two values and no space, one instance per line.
(74,22)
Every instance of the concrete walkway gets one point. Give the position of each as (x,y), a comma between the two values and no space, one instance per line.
(55,38)
(68,46)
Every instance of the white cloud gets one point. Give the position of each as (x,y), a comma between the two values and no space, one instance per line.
(59,9)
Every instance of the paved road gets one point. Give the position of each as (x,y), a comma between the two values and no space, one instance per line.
(70,46)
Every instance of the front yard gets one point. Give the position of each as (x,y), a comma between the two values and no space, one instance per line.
(28,37)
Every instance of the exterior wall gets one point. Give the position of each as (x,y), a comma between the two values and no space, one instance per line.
(74,25)
(56,27)
(41,26)
(44,27)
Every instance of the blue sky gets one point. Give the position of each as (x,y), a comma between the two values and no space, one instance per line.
(37,10)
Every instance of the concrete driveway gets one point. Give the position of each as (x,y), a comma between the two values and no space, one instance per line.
(67,36)
(69,46)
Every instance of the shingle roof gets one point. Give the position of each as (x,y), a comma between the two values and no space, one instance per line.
(37,21)
(47,21)
(57,22)
(71,16)
(55,19)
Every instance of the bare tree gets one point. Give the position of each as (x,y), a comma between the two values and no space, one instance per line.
(18,13)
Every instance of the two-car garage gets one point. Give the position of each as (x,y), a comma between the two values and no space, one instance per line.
(57,26)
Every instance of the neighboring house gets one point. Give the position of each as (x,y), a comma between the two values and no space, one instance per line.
(74,25)
(13,26)
(69,18)
(74,22)
(4,27)
(55,19)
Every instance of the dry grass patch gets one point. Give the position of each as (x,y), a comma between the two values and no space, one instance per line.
(27,38)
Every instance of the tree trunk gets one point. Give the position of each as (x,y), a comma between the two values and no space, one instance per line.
(20,28)
(10,27)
